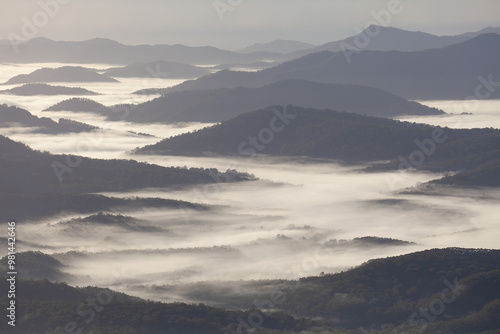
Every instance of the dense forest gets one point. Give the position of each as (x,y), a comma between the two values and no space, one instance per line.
(450,290)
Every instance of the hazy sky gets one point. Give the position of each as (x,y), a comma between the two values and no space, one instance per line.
(197,22)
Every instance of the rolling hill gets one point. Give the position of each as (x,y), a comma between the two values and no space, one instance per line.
(25,207)
(277,46)
(25,171)
(13,116)
(485,175)
(158,69)
(222,104)
(347,137)
(77,104)
(44,89)
(60,74)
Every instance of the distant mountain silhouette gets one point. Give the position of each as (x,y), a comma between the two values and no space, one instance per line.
(80,104)
(158,69)
(77,104)
(61,74)
(222,104)
(452,72)
(347,137)
(278,46)
(250,66)
(105,51)
(13,116)
(44,89)
(100,50)
(378,38)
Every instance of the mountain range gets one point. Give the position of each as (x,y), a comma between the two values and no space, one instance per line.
(101,50)
(380,38)
(465,70)
(106,51)
(278,46)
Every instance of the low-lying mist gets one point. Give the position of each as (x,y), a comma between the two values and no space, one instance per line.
(461,114)
(299,219)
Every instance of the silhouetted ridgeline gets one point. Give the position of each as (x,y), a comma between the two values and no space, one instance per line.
(222,104)
(26,207)
(44,89)
(60,74)
(338,135)
(448,73)
(105,51)
(13,116)
(389,291)
(48,307)
(157,69)
(79,104)
(393,39)
(25,171)
(279,46)
(485,175)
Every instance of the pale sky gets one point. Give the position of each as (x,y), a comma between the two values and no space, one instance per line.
(197,22)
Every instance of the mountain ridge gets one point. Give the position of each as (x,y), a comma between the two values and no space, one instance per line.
(222,104)
(451,72)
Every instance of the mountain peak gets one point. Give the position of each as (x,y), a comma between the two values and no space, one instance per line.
(40,41)
(102,41)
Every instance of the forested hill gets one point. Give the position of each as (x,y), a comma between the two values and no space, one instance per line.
(44,307)
(337,135)
(451,290)
(390,292)
(14,116)
(60,74)
(25,171)
(223,104)
(44,89)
